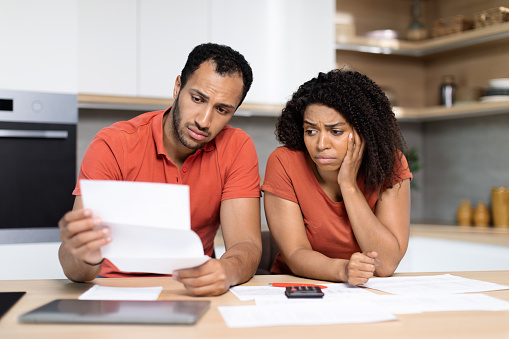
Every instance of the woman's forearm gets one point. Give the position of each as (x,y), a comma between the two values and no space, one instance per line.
(372,234)
(309,263)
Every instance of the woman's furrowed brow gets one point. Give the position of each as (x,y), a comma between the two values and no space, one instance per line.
(327,125)
(336,124)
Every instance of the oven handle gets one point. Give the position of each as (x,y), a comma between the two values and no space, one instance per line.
(14,133)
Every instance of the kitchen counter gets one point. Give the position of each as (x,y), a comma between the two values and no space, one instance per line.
(457,324)
(479,235)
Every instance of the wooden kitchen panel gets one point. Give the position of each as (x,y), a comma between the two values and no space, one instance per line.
(403,76)
(472,68)
(374,15)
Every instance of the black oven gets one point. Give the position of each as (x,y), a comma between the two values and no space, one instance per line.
(37,163)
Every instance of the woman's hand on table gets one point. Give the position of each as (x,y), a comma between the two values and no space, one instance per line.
(361,267)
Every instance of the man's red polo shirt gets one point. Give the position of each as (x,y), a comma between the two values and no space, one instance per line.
(225,168)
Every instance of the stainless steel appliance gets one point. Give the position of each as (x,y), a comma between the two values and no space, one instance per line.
(37,163)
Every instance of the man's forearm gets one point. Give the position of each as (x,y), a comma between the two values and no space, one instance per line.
(76,270)
(241,262)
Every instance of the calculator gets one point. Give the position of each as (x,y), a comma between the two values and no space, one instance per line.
(304,292)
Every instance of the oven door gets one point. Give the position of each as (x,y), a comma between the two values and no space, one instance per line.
(37,173)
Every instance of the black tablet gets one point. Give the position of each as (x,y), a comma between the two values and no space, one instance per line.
(7,300)
(118,311)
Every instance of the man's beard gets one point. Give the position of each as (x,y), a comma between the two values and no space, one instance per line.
(177,119)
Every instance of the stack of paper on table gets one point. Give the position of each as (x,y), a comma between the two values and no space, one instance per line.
(150,225)
(343,303)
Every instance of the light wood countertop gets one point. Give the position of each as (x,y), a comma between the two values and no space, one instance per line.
(481,235)
(464,324)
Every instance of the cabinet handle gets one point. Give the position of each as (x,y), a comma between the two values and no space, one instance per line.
(13,133)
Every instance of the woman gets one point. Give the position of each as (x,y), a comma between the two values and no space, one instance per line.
(337,194)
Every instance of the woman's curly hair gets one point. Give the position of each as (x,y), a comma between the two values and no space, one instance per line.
(364,106)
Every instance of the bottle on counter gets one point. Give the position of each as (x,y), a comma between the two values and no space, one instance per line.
(464,213)
(448,91)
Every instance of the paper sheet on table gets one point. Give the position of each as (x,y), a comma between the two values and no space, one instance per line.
(406,304)
(431,284)
(150,225)
(303,314)
(97,292)
(441,303)
(254,292)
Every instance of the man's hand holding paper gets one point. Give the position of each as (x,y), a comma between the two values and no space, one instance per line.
(149,224)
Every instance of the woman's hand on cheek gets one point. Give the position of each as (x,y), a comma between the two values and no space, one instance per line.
(352,160)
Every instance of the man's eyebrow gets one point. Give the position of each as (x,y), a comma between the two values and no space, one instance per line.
(331,125)
(203,95)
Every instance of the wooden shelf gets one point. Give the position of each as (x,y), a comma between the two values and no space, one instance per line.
(96,102)
(463,110)
(427,47)
(144,104)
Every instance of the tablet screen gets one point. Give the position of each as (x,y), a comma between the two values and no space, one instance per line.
(7,300)
(118,311)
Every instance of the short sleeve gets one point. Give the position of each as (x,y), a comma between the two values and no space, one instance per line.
(242,179)
(102,160)
(277,179)
(401,171)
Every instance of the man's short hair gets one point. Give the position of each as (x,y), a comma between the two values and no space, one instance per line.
(227,60)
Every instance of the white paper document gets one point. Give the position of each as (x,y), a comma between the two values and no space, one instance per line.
(432,284)
(405,304)
(150,225)
(251,292)
(442,303)
(121,293)
(303,314)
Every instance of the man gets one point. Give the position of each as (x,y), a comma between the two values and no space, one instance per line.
(191,144)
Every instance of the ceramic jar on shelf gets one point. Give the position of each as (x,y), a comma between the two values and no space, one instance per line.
(481,215)
(464,213)
(500,206)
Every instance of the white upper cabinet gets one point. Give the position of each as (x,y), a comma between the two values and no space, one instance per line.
(287,42)
(138,47)
(39,45)
(107,47)
(169,29)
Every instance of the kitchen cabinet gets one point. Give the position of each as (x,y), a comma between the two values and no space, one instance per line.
(156,36)
(287,42)
(136,48)
(168,31)
(30,261)
(443,248)
(39,47)
(107,47)
(413,70)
